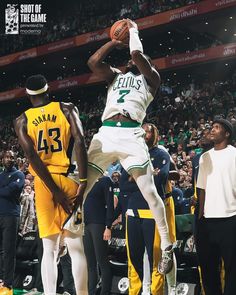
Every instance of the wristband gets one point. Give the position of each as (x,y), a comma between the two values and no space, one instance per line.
(83,179)
(134,41)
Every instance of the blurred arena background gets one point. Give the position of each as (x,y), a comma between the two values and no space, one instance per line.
(192,43)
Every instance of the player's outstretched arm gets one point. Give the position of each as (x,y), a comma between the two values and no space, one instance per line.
(37,164)
(140,59)
(98,66)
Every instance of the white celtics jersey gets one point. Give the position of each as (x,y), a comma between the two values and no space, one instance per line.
(128,95)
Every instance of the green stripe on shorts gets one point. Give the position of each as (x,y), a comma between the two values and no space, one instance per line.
(95,167)
(125,124)
(138,166)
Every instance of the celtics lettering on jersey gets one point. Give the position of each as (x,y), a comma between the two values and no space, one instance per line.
(127,82)
(128,94)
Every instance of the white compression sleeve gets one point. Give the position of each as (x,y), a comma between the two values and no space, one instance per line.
(145,182)
(49,264)
(134,41)
(78,261)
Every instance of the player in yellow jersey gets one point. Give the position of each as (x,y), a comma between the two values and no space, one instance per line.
(47,133)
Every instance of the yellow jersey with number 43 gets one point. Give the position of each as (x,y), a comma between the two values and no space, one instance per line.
(128,95)
(50,132)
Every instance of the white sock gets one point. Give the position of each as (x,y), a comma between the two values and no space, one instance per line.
(171,276)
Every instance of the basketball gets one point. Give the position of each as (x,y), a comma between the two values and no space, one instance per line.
(120,31)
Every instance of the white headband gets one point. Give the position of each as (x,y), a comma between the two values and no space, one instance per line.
(39,91)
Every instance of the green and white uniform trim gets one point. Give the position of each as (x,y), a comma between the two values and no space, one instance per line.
(129,124)
(95,167)
(138,166)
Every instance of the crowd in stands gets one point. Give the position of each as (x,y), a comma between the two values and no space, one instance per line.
(86,16)
(177,42)
(180,112)
(182,109)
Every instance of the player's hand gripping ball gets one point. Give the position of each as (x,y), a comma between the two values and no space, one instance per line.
(120,31)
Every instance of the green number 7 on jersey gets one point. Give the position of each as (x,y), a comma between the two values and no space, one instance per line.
(122,93)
